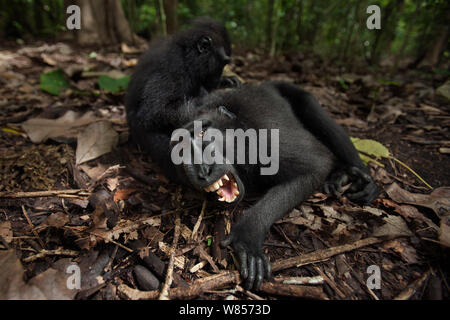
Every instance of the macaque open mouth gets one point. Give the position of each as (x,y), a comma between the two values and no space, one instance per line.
(226,188)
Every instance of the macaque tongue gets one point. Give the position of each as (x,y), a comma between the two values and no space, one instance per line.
(229,191)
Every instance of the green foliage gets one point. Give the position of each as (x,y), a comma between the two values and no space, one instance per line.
(334,29)
(372,151)
(53,82)
(113,85)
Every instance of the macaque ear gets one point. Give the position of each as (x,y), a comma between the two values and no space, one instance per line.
(204,44)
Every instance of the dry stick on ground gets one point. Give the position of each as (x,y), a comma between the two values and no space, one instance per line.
(49,193)
(330,282)
(32,227)
(412,288)
(57,252)
(324,254)
(199,221)
(232,278)
(248,293)
(198,287)
(165,289)
(220,280)
(364,285)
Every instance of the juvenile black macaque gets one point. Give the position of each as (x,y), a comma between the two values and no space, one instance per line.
(172,71)
(313,151)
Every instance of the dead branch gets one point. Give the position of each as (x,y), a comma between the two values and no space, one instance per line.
(220,280)
(296,291)
(49,193)
(164,291)
(57,252)
(197,288)
(323,254)
(32,227)
(199,221)
(300,280)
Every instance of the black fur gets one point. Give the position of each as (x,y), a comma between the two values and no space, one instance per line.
(312,149)
(172,71)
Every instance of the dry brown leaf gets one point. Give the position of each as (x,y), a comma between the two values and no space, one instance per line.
(123,194)
(5,231)
(96,140)
(410,212)
(57,220)
(94,172)
(401,247)
(126,226)
(438,200)
(67,126)
(394,226)
(49,285)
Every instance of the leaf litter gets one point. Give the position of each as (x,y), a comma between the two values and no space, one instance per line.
(118,214)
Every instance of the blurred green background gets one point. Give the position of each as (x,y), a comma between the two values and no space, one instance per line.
(410,29)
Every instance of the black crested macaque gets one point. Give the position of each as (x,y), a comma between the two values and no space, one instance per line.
(172,71)
(313,151)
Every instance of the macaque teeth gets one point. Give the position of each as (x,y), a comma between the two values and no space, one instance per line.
(235,184)
(231,200)
(236,193)
(216,186)
(220,183)
(206,189)
(222,199)
(226,178)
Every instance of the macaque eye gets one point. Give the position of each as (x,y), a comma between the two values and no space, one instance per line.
(201,134)
(204,44)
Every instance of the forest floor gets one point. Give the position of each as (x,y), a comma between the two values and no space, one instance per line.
(74,192)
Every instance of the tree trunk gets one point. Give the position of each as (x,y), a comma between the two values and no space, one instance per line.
(171,11)
(386,35)
(103,23)
(273,45)
(407,36)
(269,26)
(299,26)
(432,56)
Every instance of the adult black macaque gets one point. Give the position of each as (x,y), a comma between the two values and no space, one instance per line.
(313,151)
(172,71)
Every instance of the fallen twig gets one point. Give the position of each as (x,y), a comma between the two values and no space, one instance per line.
(300,280)
(323,254)
(165,289)
(199,221)
(292,290)
(32,227)
(49,193)
(207,284)
(198,287)
(57,252)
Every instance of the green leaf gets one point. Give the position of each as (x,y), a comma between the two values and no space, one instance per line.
(371,147)
(53,81)
(113,85)
(388,82)
(366,159)
(343,83)
(209,242)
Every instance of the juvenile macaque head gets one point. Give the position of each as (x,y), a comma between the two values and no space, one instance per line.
(207,49)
